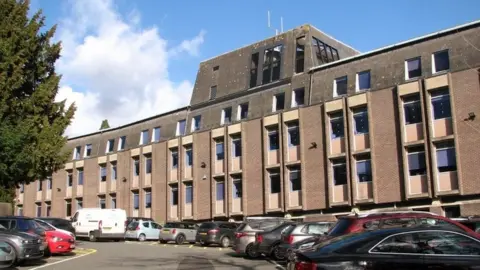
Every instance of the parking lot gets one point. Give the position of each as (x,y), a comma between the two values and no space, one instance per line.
(150,255)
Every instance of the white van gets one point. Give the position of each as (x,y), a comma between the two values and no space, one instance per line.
(97,223)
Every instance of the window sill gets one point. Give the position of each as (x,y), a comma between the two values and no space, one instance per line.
(362,90)
(440,73)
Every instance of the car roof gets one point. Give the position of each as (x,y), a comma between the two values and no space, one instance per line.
(15,217)
(374,215)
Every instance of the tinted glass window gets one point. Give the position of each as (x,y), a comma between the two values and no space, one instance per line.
(5,223)
(132,225)
(340,227)
(146,224)
(438,222)
(447,243)
(242,226)
(171,225)
(208,225)
(317,228)
(26,224)
(290,229)
(398,222)
(401,243)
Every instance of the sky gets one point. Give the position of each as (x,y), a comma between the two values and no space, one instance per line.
(124,60)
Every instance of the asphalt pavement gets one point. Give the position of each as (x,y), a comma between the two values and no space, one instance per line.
(150,255)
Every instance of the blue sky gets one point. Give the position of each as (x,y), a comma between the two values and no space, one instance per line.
(364,25)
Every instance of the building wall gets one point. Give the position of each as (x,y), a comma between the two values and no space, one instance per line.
(385,144)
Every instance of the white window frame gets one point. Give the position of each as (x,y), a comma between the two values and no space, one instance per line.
(434,66)
(76,151)
(109,141)
(239,112)
(222,119)
(177,132)
(274,102)
(120,142)
(357,81)
(141,142)
(335,94)
(406,66)
(294,97)
(85,151)
(193,124)
(154,132)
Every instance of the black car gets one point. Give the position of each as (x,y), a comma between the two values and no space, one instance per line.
(59,223)
(216,232)
(424,247)
(268,242)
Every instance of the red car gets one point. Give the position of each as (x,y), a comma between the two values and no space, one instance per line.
(58,242)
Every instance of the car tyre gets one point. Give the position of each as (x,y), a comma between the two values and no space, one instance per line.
(225,242)
(91,237)
(251,252)
(47,253)
(203,244)
(142,237)
(14,260)
(180,239)
(275,253)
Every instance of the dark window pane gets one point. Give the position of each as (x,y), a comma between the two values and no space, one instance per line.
(442,61)
(339,172)
(336,125)
(441,105)
(341,86)
(360,117)
(364,171)
(414,68)
(293,135)
(213,92)
(364,80)
(220,191)
(219,148)
(416,164)
(446,160)
(412,110)
(274,183)
(273,140)
(280,102)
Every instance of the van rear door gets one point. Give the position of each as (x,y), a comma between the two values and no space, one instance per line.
(113,221)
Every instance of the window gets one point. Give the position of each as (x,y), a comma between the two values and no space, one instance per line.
(360,119)
(278,102)
(20,211)
(336,125)
(237,187)
(275,186)
(412,109)
(293,134)
(452,211)
(148,164)
(340,86)
(39,185)
(242,112)
(174,194)
(68,208)
(273,140)
(49,183)
(110,146)
(196,121)
(101,203)
(220,187)
(88,150)
(188,193)
(136,166)
(324,53)
(188,156)
(22,188)
(39,210)
(363,80)
(300,55)
(339,168)
(156,134)
(413,68)
(136,202)
(113,202)
(69,179)
(121,143)
(236,146)
(271,64)
(416,161)
(213,92)
(76,152)
(219,149)
(226,116)
(215,68)
(446,157)
(148,199)
(405,243)
(295,178)
(48,206)
(113,165)
(181,127)
(254,70)
(364,170)
(440,61)
(79,204)
(441,104)
(143,137)
(174,154)
(80,176)
(298,97)
(103,172)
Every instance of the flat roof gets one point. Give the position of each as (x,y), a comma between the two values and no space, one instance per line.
(397,45)
(130,124)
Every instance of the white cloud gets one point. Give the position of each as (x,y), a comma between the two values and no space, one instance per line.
(114,69)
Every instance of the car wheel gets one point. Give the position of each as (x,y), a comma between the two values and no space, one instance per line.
(91,237)
(142,237)
(251,252)
(47,252)
(276,253)
(203,244)
(9,250)
(180,239)
(163,241)
(225,242)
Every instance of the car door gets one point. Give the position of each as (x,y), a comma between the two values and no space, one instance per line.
(450,250)
(155,228)
(190,232)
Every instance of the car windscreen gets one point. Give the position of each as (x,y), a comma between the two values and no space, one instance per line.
(133,225)
(26,224)
(208,225)
(340,227)
(44,225)
(289,230)
(171,225)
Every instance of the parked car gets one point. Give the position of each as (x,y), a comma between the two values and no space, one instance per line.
(24,224)
(97,223)
(180,232)
(245,234)
(472,222)
(131,219)
(142,230)
(267,242)
(50,226)
(418,247)
(371,221)
(58,242)
(304,230)
(59,224)
(7,255)
(25,246)
(216,232)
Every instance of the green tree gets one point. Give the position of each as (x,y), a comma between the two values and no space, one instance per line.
(32,124)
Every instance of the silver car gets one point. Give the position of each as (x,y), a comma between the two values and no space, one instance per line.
(18,247)
(142,230)
(304,230)
(180,232)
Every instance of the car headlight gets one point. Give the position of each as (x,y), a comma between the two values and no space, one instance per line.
(56,239)
(25,241)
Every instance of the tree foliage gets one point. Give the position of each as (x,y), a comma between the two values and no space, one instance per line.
(32,124)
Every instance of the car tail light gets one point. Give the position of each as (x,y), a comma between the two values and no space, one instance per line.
(138,228)
(305,266)
(174,231)
(214,231)
(240,234)
(259,238)
(290,239)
